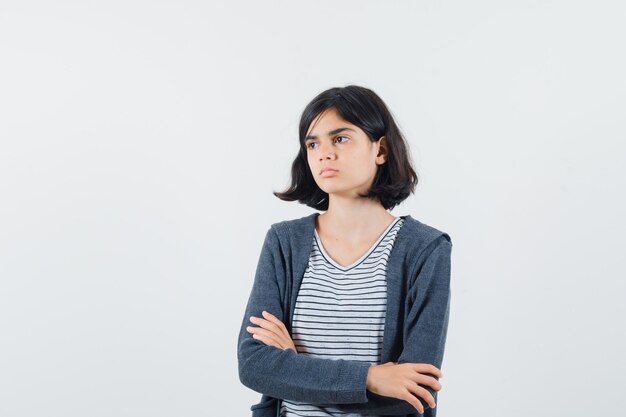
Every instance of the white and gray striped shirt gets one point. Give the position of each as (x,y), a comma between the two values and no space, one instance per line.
(340,311)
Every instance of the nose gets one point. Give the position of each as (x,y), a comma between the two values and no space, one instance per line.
(326,153)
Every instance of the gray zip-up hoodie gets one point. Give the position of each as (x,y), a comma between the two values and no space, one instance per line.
(416,322)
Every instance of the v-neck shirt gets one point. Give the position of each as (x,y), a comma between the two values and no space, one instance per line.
(320,247)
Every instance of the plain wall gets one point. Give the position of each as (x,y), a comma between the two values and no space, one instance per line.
(140,143)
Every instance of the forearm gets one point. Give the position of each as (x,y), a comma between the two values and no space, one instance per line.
(382,405)
(288,375)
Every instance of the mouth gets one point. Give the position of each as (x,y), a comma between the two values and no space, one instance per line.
(328,172)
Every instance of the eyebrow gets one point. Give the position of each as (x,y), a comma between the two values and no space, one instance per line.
(332,132)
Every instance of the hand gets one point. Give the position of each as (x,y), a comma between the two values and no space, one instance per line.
(401,381)
(272,332)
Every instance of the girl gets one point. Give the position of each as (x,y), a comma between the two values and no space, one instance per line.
(348,312)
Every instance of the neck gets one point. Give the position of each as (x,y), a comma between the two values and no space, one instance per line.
(354,218)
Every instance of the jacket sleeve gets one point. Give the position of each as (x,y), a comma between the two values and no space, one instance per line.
(282,373)
(425,330)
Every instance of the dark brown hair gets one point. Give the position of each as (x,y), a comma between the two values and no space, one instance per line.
(395,179)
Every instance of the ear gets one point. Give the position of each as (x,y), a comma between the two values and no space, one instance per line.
(381,158)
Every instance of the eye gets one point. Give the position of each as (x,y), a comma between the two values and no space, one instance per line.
(310,145)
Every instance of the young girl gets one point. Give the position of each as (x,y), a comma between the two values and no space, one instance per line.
(348,312)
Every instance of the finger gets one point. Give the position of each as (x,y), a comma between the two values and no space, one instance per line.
(418,372)
(426,368)
(423,393)
(256,333)
(266,324)
(414,401)
(270,330)
(427,380)
(269,316)
(265,340)
(267,337)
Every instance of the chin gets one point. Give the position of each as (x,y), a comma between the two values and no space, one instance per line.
(335,190)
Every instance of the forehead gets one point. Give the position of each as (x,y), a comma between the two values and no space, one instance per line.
(327,121)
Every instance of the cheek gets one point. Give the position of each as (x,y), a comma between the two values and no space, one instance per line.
(363,163)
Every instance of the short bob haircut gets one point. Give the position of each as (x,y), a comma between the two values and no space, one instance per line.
(395,179)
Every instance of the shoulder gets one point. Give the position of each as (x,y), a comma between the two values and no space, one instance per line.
(426,245)
(421,239)
(290,222)
(293,230)
(423,231)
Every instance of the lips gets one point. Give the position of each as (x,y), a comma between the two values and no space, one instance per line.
(327,170)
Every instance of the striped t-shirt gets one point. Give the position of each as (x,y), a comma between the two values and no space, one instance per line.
(340,311)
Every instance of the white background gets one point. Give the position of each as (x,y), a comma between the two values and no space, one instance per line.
(140,142)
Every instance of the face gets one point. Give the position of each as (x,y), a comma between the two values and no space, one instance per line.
(332,142)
